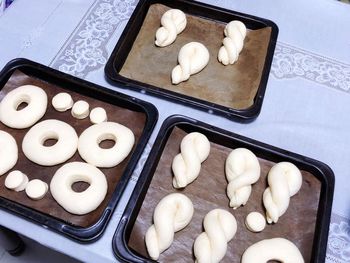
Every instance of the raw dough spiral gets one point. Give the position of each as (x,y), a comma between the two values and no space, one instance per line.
(193,57)
(284,181)
(242,170)
(8,152)
(235,32)
(173,23)
(172,214)
(220,227)
(195,148)
(279,249)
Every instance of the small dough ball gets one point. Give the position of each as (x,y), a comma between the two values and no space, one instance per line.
(36,189)
(16,180)
(62,101)
(98,115)
(80,109)
(255,222)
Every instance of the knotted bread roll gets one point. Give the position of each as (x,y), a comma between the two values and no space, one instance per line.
(284,181)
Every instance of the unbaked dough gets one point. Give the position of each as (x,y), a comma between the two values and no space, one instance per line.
(173,213)
(8,152)
(279,249)
(98,115)
(36,189)
(36,99)
(173,23)
(193,57)
(255,222)
(62,101)
(16,180)
(220,227)
(195,148)
(242,169)
(80,109)
(284,181)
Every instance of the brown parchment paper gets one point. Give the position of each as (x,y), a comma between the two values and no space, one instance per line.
(133,120)
(233,86)
(208,192)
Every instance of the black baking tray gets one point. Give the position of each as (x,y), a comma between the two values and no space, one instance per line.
(228,139)
(127,38)
(83,87)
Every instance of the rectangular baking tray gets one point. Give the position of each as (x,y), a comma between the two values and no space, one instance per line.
(246,100)
(48,213)
(313,203)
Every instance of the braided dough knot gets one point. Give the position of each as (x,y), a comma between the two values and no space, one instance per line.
(193,57)
(284,181)
(172,214)
(242,170)
(220,227)
(173,22)
(195,148)
(235,32)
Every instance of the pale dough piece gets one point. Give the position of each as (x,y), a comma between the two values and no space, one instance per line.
(195,148)
(172,214)
(98,115)
(173,23)
(235,32)
(62,101)
(36,99)
(242,169)
(80,109)
(255,222)
(193,57)
(8,152)
(36,189)
(279,249)
(284,181)
(220,227)
(16,180)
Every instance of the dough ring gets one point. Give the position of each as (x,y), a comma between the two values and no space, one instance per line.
(220,227)
(173,213)
(83,202)
(284,181)
(16,180)
(242,169)
(62,101)
(173,23)
(33,142)
(193,57)
(36,189)
(235,32)
(8,152)
(255,222)
(279,249)
(90,139)
(36,99)
(195,148)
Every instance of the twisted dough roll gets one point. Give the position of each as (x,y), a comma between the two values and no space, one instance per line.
(242,169)
(235,32)
(195,148)
(284,181)
(172,214)
(193,57)
(173,23)
(220,227)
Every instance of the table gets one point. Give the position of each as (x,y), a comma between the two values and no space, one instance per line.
(306,107)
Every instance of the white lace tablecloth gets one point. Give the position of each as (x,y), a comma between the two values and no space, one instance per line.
(306,108)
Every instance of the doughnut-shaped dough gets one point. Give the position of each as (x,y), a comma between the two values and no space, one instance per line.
(220,227)
(33,142)
(98,115)
(16,180)
(172,214)
(36,189)
(80,109)
(8,152)
(255,222)
(36,99)
(235,32)
(173,23)
(284,181)
(193,57)
(242,170)
(62,101)
(90,139)
(78,203)
(195,148)
(279,249)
